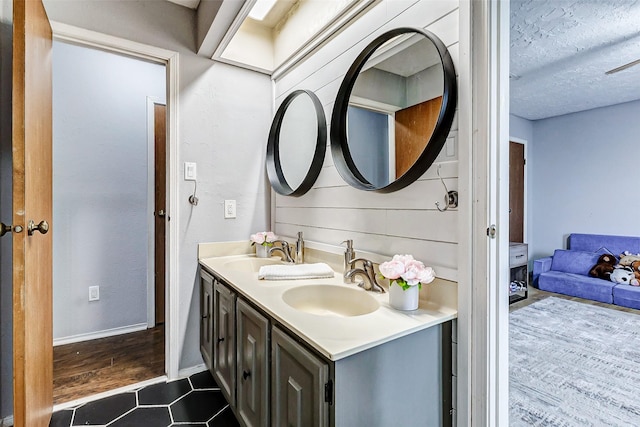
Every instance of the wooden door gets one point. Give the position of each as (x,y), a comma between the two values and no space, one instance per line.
(414,127)
(160,161)
(32,201)
(516,192)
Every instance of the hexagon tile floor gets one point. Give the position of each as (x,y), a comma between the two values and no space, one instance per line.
(189,402)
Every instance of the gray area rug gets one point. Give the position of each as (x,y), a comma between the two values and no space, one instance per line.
(573,364)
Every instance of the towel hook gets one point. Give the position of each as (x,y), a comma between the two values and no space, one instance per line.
(192,198)
(450,197)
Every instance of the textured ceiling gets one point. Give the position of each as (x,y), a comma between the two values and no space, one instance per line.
(560,50)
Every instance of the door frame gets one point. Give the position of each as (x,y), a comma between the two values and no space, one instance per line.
(525,218)
(483,308)
(169,58)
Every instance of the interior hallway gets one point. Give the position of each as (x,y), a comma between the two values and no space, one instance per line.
(86,368)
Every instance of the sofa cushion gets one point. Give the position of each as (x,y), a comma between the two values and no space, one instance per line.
(603,243)
(577,285)
(627,296)
(576,262)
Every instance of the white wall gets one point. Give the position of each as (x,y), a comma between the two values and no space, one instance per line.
(406,221)
(101,188)
(224,118)
(520,128)
(6,277)
(585,174)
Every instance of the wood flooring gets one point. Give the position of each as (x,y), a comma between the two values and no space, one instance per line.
(90,367)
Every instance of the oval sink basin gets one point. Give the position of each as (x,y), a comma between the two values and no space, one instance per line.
(330,300)
(251,264)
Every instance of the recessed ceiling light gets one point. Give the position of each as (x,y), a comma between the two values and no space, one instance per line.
(261,8)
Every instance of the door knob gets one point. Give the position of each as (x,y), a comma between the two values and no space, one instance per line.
(4,229)
(161,213)
(42,227)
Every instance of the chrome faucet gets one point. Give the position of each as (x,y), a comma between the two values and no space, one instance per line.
(284,248)
(367,272)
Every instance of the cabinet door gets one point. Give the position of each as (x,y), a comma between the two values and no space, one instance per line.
(252,379)
(298,380)
(224,348)
(206,319)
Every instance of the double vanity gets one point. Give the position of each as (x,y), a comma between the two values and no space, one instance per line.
(319,352)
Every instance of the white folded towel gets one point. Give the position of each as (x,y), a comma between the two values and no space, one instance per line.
(318,270)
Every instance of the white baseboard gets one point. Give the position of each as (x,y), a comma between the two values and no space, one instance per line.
(6,422)
(99,334)
(125,389)
(187,372)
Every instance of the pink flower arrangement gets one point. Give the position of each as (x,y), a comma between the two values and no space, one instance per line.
(407,272)
(264,238)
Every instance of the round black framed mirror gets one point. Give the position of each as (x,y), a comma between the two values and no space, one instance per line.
(394,110)
(297,143)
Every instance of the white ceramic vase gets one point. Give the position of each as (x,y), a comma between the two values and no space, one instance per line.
(403,300)
(262,251)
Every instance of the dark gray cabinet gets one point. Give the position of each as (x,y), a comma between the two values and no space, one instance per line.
(272,378)
(206,319)
(253,366)
(298,383)
(224,345)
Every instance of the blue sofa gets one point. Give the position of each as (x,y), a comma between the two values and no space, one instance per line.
(567,271)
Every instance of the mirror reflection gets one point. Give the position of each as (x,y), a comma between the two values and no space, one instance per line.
(297,142)
(393,107)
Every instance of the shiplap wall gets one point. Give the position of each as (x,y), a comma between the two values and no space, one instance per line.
(406,221)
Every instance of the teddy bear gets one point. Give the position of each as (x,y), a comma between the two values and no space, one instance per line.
(604,267)
(624,275)
(635,266)
(627,258)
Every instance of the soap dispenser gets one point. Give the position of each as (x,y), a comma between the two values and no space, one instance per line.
(300,249)
(349,255)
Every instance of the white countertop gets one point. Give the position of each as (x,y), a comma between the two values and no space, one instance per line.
(333,336)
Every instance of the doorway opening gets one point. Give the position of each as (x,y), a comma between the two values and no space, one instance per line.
(110,216)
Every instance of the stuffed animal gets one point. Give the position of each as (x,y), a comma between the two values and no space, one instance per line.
(604,267)
(635,265)
(627,258)
(624,275)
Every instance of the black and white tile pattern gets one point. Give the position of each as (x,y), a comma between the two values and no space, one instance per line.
(193,401)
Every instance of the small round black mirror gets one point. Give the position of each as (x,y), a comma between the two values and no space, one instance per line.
(297,143)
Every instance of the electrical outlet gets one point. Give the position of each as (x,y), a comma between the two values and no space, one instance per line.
(94,293)
(229,208)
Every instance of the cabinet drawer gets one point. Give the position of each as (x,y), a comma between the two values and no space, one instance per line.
(517,255)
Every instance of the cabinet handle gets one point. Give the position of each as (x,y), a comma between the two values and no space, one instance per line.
(246,374)
(205,316)
(519,256)
(220,339)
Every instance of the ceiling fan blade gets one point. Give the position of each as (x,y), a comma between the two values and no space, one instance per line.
(624,67)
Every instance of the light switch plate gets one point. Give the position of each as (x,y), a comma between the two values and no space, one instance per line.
(94,293)
(189,171)
(229,208)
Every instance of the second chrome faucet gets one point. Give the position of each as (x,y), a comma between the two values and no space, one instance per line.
(286,250)
(367,272)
